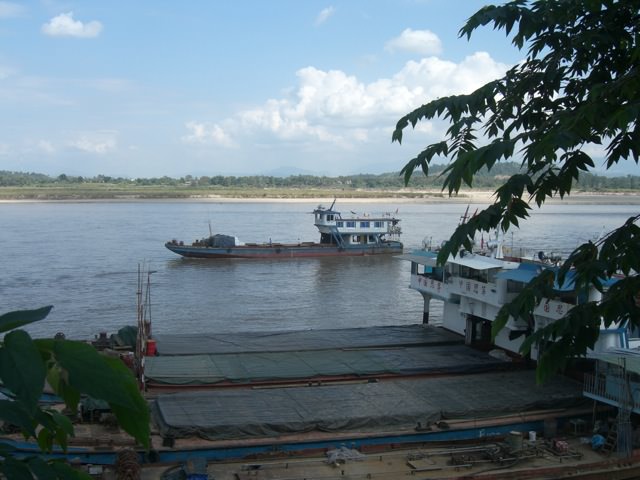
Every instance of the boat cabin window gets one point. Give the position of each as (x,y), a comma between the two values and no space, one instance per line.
(514,287)
(473,274)
(378,224)
(330,218)
(351,224)
(339,224)
(567,297)
(492,275)
(364,224)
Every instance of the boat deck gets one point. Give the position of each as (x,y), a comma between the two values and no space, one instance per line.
(326,384)
(282,341)
(310,356)
(319,366)
(406,405)
(495,461)
(361,387)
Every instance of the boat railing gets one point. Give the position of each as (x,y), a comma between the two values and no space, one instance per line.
(610,388)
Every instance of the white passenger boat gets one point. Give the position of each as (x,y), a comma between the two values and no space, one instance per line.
(474,286)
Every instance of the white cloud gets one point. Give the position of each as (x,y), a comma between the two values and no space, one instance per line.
(337,109)
(423,42)
(95,142)
(65,26)
(46,146)
(4,149)
(206,133)
(435,78)
(10,10)
(324,15)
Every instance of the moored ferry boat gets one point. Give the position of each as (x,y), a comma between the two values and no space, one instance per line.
(474,285)
(339,236)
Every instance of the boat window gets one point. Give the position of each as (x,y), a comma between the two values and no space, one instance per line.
(514,287)
(330,218)
(351,224)
(364,224)
(339,224)
(378,224)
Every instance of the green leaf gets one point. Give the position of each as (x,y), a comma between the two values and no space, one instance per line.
(16,319)
(45,440)
(15,469)
(64,429)
(6,449)
(64,471)
(21,368)
(14,413)
(134,421)
(90,372)
(41,469)
(107,379)
(56,376)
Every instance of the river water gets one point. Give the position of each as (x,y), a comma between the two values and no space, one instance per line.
(83,259)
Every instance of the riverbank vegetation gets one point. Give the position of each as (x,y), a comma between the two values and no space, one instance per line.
(37,186)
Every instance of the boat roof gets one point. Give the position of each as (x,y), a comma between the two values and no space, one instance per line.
(423,257)
(356,216)
(628,358)
(480,262)
(470,260)
(524,273)
(528,271)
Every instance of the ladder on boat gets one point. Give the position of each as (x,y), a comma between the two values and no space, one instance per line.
(611,441)
(337,237)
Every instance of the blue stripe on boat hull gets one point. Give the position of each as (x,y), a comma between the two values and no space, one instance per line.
(24,449)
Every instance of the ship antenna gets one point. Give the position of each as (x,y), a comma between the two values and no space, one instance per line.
(210,232)
(334,202)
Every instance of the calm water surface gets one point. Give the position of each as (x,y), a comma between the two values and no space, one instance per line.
(83,258)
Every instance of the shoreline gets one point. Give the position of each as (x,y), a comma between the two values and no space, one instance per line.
(472,197)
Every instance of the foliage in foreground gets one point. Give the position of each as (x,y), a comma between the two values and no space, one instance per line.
(71,368)
(578,90)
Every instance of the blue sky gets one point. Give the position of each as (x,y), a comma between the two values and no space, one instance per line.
(151,88)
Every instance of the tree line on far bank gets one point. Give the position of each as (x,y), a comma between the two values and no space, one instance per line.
(486,179)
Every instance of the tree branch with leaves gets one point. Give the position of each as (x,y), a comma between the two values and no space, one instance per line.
(577,90)
(72,369)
